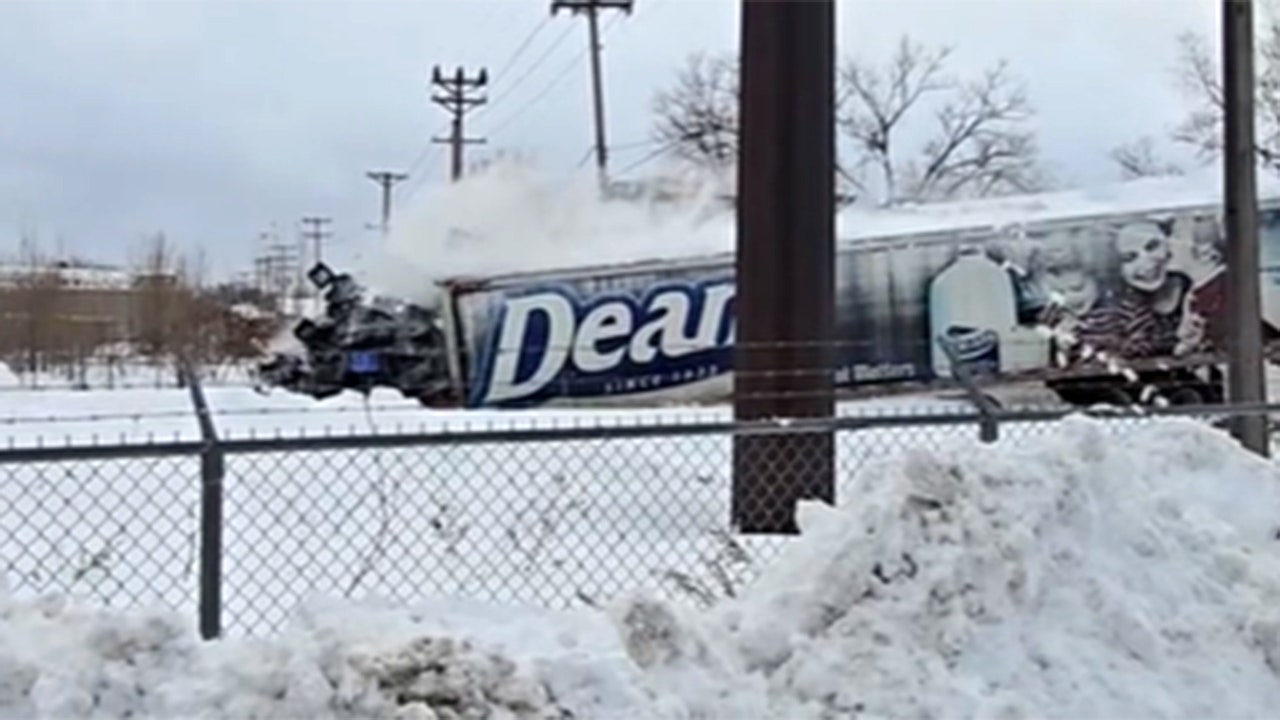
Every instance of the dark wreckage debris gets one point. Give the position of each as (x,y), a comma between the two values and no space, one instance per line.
(360,343)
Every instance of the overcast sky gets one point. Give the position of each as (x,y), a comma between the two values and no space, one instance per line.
(213,119)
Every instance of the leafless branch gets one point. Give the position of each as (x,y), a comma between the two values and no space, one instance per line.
(979,145)
(1199,77)
(698,116)
(873,103)
(1138,159)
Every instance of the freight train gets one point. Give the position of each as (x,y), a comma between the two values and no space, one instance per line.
(1115,295)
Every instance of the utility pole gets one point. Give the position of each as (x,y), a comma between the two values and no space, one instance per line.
(387,179)
(1246,381)
(592,8)
(316,233)
(783,357)
(277,266)
(459,95)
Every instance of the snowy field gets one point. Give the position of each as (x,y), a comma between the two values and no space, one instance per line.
(554,523)
(1078,569)
(1089,569)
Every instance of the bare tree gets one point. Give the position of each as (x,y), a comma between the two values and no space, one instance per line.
(697,117)
(1200,78)
(1139,159)
(32,305)
(980,143)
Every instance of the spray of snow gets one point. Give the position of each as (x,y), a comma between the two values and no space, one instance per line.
(511,217)
(1092,571)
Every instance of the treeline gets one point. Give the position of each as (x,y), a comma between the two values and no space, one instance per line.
(61,317)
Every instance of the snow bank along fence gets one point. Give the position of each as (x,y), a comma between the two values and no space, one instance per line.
(239,532)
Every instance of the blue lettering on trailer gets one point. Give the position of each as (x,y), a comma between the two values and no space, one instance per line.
(551,342)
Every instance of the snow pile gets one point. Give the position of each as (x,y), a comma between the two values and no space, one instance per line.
(63,662)
(1077,574)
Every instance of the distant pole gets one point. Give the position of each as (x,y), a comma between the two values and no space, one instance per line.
(386,179)
(592,8)
(1246,372)
(785,303)
(459,95)
(316,233)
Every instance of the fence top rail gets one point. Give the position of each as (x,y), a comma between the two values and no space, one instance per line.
(640,428)
(70,452)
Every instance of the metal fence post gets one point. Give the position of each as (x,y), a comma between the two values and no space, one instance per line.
(988,424)
(212,472)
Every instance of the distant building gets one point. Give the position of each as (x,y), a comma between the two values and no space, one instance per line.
(66,308)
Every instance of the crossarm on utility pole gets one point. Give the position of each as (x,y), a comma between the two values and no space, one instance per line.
(459,95)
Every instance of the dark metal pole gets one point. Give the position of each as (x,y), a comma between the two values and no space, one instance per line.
(459,95)
(785,304)
(1246,371)
(597,94)
(455,143)
(592,8)
(386,180)
(212,473)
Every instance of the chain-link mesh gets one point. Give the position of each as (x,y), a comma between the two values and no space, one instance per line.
(548,523)
(118,532)
(526,519)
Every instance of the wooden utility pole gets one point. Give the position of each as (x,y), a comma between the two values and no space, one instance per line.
(316,234)
(459,95)
(784,362)
(591,9)
(1246,379)
(386,180)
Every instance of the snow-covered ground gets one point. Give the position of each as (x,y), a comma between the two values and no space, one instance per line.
(102,374)
(1076,569)
(1090,570)
(552,523)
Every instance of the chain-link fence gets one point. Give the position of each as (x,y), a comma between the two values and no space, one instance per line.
(239,532)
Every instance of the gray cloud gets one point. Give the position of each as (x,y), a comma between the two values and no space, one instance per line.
(211,119)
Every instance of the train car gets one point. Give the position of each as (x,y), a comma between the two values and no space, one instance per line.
(1111,295)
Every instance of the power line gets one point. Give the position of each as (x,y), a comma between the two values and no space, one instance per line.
(658,152)
(524,45)
(541,94)
(546,90)
(618,147)
(508,88)
(635,144)
(431,150)
(428,151)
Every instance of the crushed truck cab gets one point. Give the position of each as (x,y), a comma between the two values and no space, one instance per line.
(359,344)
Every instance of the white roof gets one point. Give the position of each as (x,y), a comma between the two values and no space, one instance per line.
(74,276)
(1157,194)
